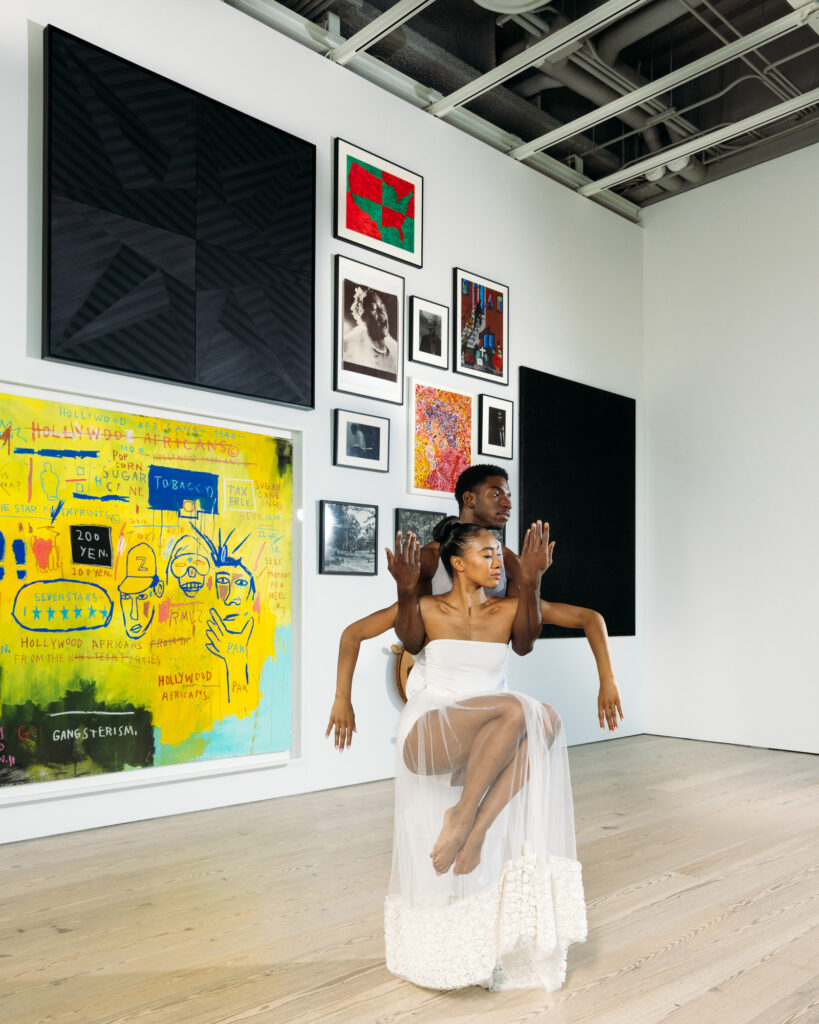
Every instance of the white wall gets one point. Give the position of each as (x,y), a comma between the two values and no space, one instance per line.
(732,361)
(574,272)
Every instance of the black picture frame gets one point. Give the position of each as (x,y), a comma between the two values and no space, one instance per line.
(480,341)
(421,349)
(361,441)
(420,521)
(368,299)
(347,232)
(181,245)
(496,427)
(345,556)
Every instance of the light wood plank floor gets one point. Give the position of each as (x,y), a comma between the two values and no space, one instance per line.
(699,861)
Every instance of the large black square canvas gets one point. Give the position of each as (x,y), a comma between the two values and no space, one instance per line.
(179,233)
(577,470)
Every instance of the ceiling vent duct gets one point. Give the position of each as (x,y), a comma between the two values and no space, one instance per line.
(511,6)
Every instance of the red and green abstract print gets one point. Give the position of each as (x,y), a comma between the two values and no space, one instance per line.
(380,205)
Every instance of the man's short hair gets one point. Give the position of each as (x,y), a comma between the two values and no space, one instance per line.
(473,477)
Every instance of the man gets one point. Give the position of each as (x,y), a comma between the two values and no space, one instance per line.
(484,498)
(139,590)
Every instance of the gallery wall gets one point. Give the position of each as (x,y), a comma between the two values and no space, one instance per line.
(575,278)
(732,599)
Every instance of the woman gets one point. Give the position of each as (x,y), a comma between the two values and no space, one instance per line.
(485,885)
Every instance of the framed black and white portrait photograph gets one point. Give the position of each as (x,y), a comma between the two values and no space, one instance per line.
(348,538)
(361,441)
(429,333)
(421,521)
(369,358)
(497,417)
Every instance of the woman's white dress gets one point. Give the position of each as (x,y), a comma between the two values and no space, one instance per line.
(507,924)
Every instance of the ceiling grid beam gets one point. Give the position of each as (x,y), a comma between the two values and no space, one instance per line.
(707,141)
(556,45)
(777,29)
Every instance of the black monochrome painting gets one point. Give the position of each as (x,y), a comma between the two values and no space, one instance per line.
(577,470)
(179,233)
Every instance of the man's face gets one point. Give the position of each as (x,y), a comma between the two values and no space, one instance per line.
(375,318)
(492,503)
(234,590)
(138,611)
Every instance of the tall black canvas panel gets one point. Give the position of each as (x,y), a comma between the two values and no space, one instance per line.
(577,470)
(179,233)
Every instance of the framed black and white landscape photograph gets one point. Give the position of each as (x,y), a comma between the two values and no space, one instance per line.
(429,332)
(361,441)
(421,521)
(497,418)
(369,359)
(348,538)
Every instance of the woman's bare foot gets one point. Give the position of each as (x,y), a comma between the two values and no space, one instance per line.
(452,836)
(469,856)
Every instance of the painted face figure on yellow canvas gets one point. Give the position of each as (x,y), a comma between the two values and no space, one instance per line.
(139,590)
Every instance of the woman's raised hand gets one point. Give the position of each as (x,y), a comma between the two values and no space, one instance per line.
(405,564)
(536,553)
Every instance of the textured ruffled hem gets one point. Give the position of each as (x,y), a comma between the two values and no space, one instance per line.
(513,935)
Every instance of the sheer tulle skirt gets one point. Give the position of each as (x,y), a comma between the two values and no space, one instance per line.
(509,922)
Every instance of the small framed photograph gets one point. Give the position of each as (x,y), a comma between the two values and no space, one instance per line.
(361,441)
(348,539)
(421,521)
(429,331)
(378,204)
(369,358)
(497,420)
(441,437)
(480,330)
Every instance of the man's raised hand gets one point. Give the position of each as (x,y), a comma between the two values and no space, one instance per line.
(405,564)
(536,553)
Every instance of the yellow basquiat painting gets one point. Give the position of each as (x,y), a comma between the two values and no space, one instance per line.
(145,591)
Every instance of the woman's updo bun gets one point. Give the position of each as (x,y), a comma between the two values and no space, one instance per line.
(453,536)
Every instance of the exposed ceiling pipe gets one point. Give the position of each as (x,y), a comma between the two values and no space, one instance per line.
(427,62)
(584,85)
(536,83)
(637,26)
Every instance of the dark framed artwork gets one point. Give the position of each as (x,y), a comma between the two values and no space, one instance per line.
(577,470)
(480,327)
(361,441)
(369,356)
(378,204)
(179,234)
(348,538)
(421,521)
(496,427)
(429,333)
